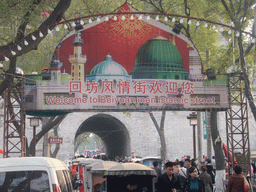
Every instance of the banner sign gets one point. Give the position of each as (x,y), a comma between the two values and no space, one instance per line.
(124,65)
(55,140)
(139,94)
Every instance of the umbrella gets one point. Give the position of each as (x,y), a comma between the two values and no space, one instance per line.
(101,167)
(130,169)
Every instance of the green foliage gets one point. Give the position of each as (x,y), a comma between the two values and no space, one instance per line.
(218,44)
(87,141)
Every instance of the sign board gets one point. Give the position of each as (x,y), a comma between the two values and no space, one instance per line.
(55,140)
(125,65)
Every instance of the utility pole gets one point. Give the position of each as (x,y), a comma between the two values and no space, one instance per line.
(209,137)
(199,136)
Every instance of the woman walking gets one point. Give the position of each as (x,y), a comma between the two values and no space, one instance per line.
(207,179)
(193,182)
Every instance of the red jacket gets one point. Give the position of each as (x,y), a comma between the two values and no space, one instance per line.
(236,183)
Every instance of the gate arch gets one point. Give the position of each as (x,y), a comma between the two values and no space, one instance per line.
(111,130)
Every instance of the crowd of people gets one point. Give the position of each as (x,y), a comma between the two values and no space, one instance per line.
(185,176)
(188,176)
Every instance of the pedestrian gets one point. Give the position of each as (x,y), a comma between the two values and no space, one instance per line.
(193,182)
(206,178)
(168,182)
(183,170)
(236,181)
(176,171)
(156,168)
(214,164)
(187,165)
(210,171)
(194,163)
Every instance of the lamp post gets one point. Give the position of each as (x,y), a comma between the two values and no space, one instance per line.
(193,122)
(34,122)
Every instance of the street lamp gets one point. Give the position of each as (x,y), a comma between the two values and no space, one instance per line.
(34,122)
(193,122)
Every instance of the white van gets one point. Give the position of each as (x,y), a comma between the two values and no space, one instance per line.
(34,174)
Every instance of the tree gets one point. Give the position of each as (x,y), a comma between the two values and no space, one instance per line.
(160,130)
(49,123)
(31,8)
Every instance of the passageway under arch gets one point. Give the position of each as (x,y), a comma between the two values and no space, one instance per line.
(112,131)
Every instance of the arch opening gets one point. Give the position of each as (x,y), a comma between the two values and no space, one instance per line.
(112,132)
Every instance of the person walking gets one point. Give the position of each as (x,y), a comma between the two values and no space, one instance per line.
(210,171)
(156,168)
(207,179)
(183,170)
(168,182)
(193,183)
(177,171)
(236,181)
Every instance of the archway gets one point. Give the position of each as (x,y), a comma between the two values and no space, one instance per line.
(112,132)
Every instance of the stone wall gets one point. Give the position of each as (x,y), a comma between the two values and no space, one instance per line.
(144,137)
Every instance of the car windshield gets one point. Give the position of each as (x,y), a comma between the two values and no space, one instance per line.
(23,181)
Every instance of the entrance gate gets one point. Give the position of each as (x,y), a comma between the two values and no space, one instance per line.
(236,121)
(193,66)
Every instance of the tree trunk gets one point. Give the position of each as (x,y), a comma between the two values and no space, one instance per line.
(57,145)
(160,130)
(219,154)
(52,122)
(244,75)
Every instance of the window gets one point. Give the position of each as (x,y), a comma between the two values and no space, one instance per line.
(68,180)
(164,76)
(177,77)
(64,181)
(23,181)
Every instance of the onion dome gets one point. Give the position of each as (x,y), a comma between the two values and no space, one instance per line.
(158,58)
(108,70)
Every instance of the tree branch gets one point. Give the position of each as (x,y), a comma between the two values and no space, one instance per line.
(53,19)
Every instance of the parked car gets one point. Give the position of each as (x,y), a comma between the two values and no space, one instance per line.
(40,174)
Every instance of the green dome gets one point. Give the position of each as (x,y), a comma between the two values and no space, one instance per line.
(158,58)
(108,67)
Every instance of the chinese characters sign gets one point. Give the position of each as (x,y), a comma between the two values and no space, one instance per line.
(138,94)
